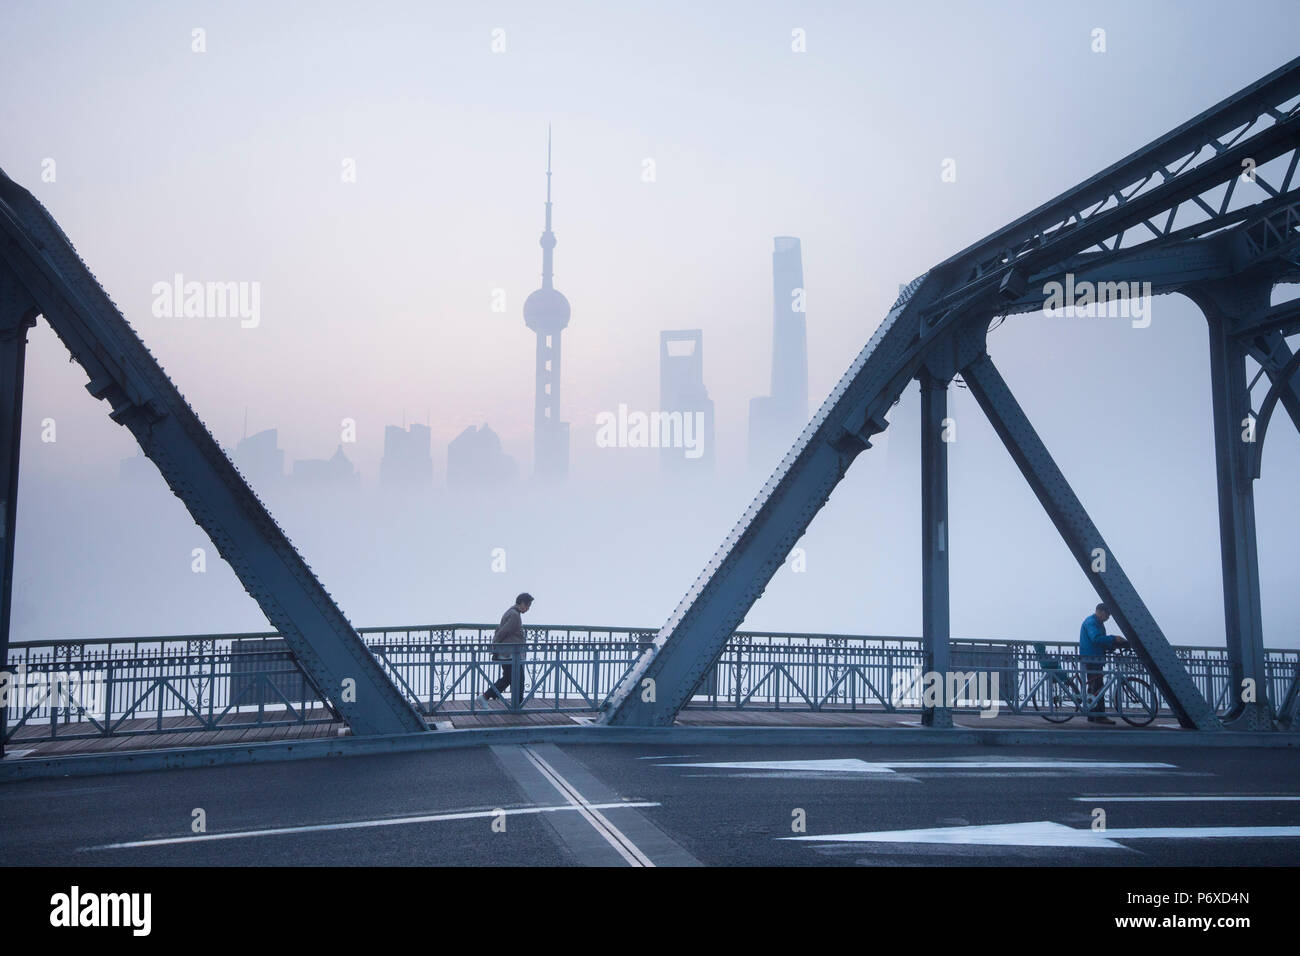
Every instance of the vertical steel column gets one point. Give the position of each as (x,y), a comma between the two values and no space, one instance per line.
(1234,436)
(1086,544)
(17,315)
(934,542)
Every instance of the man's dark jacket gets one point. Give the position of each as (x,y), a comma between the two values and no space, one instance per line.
(509,631)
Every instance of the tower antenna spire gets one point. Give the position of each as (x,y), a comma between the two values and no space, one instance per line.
(548,237)
(548,177)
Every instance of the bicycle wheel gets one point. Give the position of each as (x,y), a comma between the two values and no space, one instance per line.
(1136,701)
(1054,702)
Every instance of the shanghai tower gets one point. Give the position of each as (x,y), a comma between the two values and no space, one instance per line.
(546,312)
(775,420)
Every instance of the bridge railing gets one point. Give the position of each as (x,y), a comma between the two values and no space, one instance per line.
(118,686)
(101,695)
(563,676)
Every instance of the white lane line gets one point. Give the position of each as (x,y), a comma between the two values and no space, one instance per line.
(668,757)
(1188,798)
(854,765)
(590,812)
(359,824)
(1046,833)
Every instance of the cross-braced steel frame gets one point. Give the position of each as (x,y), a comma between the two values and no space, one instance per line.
(41,274)
(1211,210)
(1193,212)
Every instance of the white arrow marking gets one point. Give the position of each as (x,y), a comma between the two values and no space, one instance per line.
(1188,798)
(853,765)
(1046,833)
(847,765)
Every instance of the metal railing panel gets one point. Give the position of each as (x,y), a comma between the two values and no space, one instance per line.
(143,685)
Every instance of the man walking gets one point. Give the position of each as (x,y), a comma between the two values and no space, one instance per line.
(509,631)
(1094,642)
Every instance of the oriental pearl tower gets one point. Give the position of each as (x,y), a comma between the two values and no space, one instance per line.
(546,312)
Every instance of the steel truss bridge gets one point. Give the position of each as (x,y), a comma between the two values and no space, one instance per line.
(1210,210)
(224,682)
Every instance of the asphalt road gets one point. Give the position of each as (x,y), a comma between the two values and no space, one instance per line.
(628,805)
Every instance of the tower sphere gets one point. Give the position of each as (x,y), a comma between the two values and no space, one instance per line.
(546,311)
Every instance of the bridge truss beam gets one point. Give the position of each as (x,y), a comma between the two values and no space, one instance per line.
(1180,210)
(1241,324)
(1086,543)
(36,256)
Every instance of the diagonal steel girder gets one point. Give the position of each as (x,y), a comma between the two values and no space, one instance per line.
(35,251)
(1146,190)
(1282,319)
(685,648)
(1086,543)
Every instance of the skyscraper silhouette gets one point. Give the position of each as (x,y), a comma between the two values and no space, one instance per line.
(775,419)
(475,460)
(407,462)
(335,473)
(546,312)
(682,394)
(261,460)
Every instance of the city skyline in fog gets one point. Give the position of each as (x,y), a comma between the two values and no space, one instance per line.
(383,185)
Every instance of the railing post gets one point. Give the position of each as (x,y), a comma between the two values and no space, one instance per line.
(108,700)
(816,681)
(517,677)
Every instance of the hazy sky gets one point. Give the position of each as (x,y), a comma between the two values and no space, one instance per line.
(376,295)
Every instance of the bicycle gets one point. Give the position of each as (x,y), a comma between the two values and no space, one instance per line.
(1059,698)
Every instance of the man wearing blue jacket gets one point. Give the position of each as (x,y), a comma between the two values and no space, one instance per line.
(1094,642)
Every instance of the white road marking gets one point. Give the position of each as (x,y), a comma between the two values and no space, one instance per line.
(667,757)
(846,765)
(1189,798)
(359,824)
(1200,833)
(1046,833)
(590,812)
(853,765)
(1042,833)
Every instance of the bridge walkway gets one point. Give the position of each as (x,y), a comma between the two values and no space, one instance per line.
(143,735)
